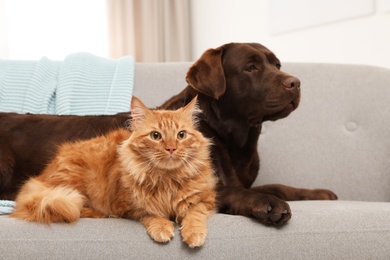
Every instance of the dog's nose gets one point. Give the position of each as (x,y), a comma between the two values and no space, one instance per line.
(292,82)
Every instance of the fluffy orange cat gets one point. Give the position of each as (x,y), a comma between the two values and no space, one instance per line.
(157,171)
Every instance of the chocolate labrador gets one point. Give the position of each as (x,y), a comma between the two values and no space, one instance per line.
(239,86)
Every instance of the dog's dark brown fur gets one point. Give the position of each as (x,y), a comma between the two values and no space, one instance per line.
(28,142)
(239,86)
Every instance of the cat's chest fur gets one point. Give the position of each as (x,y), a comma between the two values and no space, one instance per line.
(163,196)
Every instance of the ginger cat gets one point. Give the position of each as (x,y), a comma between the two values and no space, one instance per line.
(158,171)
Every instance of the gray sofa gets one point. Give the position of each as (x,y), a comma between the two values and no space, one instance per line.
(339,138)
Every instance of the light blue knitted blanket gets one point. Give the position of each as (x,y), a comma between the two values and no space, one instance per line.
(81,84)
(6,207)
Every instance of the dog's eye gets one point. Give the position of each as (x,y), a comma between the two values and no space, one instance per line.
(250,68)
(278,66)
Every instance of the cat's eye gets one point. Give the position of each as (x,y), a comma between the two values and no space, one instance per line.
(181,135)
(155,135)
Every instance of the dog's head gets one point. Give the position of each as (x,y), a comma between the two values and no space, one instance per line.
(245,79)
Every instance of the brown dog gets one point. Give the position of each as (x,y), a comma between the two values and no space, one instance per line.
(239,86)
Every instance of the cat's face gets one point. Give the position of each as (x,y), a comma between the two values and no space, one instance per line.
(167,139)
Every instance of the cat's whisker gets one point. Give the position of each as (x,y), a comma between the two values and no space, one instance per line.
(195,167)
(195,159)
(154,166)
(190,167)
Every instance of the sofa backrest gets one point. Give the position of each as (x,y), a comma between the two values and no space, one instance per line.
(338,138)
(155,83)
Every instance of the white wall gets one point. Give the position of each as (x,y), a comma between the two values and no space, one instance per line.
(358,40)
(3,30)
(31,29)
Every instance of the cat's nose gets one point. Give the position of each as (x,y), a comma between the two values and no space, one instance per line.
(170,149)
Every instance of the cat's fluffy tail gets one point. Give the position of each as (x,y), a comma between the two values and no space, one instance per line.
(40,203)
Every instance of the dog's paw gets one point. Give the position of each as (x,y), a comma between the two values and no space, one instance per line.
(319,194)
(270,210)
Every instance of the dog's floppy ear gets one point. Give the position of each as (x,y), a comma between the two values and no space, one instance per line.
(206,75)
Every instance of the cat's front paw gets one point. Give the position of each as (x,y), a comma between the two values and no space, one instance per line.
(161,231)
(194,234)
(194,239)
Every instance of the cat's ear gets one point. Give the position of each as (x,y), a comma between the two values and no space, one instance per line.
(192,108)
(138,111)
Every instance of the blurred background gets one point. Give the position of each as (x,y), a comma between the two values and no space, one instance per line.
(320,31)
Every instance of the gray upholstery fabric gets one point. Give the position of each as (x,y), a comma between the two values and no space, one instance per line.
(317,230)
(338,138)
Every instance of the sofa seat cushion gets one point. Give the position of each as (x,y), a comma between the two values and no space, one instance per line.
(318,229)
